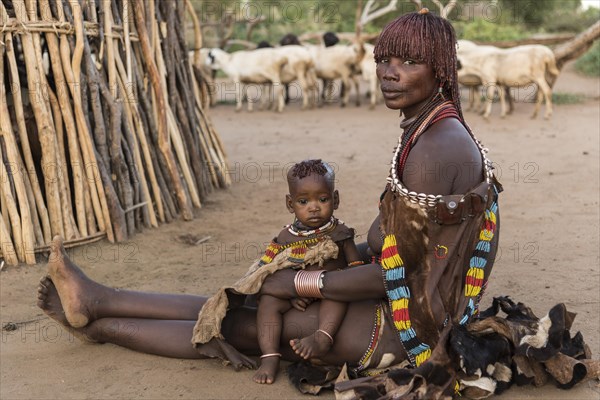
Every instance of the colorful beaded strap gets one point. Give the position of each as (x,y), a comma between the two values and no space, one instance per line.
(399,295)
(311,237)
(298,250)
(478,261)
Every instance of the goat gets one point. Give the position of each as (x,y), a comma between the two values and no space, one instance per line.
(300,67)
(368,70)
(207,74)
(473,82)
(256,66)
(515,67)
(338,62)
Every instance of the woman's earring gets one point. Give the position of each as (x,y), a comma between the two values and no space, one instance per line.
(440,92)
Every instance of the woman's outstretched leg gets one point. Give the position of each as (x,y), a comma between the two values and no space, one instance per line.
(84,300)
(168,338)
(162,337)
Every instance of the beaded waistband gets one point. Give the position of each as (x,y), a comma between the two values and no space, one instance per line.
(375,336)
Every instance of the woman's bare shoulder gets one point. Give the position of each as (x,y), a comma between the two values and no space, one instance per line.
(445,160)
(449,136)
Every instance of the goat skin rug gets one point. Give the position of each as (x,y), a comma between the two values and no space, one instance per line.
(485,357)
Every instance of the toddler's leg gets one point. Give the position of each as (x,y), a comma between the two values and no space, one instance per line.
(269,323)
(318,344)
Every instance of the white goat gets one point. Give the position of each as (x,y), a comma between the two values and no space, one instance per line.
(515,67)
(338,62)
(472,81)
(207,72)
(300,67)
(258,66)
(368,70)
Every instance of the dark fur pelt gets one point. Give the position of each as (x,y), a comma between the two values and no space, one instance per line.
(486,359)
(311,379)
(541,349)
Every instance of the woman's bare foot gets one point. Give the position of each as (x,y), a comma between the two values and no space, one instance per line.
(74,288)
(49,302)
(315,345)
(269,366)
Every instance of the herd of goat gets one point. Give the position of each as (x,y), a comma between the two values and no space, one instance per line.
(486,70)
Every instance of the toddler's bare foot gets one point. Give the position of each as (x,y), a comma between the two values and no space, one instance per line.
(269,366)
(74,288)
(49,302)
(313,346)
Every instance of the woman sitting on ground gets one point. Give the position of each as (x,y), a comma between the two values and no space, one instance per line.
(430,251)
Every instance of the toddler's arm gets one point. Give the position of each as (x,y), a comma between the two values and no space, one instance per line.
(353,257)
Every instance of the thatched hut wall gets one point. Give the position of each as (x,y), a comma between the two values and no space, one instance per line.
(103,130)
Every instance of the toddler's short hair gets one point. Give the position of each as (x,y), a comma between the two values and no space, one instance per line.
(308,167)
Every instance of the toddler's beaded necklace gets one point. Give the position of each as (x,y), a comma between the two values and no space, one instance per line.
(299,231)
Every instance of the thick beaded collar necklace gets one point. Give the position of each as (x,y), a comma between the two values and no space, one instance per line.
(409,138)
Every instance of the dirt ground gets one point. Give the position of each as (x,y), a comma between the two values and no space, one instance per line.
(549,242)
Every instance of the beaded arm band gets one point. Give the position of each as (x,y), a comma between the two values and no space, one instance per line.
(356,263)
(309,283)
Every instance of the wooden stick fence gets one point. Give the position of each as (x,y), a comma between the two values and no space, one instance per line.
(113,136)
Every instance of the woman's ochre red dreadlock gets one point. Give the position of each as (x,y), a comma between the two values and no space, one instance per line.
(426,38)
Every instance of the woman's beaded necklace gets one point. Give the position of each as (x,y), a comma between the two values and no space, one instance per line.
(437,108)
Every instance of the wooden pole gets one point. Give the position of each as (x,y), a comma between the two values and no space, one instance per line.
(43,122)
(25,148)
(135,126)
(163,134)
(9,202)
(72,69)
(76,163)
(6,245)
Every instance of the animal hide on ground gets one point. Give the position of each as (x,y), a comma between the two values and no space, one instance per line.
(486,357)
